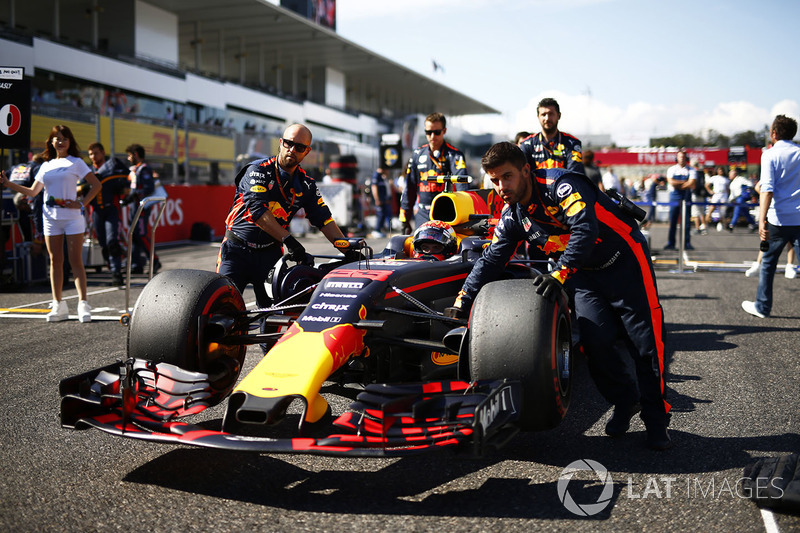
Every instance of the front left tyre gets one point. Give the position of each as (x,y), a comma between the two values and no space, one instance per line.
(170,324)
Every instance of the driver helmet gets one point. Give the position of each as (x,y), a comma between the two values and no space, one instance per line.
(435,240)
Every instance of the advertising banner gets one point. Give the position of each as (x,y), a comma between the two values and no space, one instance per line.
(15,109)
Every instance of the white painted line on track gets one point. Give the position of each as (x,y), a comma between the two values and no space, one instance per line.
(769,521)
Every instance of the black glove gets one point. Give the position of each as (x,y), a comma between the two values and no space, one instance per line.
(548,286)
(455,312)
(296,251)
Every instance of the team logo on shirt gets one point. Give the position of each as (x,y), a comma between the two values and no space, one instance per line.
(563,190)
(258,188)
(526,223)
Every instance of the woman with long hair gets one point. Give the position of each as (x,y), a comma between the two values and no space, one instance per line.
(63,215)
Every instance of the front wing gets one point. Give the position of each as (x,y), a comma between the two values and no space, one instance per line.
(144,400)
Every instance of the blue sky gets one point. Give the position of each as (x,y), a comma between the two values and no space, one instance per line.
(632,69)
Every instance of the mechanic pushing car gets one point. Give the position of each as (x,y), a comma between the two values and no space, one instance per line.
(437,158)
(269,193)
(603,259)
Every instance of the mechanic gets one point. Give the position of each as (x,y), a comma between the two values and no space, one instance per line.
(552,148)
(142,185)
(113,176)
(435,240)
(269,193)
(604,260)
(437,158)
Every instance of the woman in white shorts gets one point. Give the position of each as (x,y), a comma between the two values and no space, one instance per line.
(63,215)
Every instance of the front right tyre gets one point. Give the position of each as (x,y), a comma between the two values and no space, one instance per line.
(515,333)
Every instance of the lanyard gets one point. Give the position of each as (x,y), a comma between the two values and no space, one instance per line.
(280,187)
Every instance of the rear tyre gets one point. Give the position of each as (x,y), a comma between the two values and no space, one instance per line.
(165,323)
(517,334)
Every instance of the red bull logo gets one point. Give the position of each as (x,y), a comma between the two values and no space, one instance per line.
(555,243)
(278,211)
(344,340)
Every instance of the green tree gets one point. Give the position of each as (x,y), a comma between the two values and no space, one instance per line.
(749,138)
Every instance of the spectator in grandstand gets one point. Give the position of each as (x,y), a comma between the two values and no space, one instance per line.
(436,158)
(681,178)
(742,193)
(113,176)
(63,215)
(779,208)
(552,148)
(269,193)
(381,188)
(718,186)
(591,170)
(699,197)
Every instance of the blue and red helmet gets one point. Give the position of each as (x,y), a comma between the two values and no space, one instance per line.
(435,240)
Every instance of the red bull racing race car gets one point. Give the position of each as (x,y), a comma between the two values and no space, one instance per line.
(372,332)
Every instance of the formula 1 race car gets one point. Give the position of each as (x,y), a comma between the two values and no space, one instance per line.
(374,327)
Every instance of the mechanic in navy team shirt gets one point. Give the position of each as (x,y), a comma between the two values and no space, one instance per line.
(113,176)
(552,148)
(437,158)
(269,193)
(142,185)
(603,259)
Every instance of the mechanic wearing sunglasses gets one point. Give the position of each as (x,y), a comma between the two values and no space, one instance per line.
(436,158)
(269,193)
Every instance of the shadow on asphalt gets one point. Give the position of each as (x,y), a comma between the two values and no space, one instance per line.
(419,485)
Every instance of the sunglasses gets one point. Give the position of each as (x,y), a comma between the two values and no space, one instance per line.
(433,132)
(298,147)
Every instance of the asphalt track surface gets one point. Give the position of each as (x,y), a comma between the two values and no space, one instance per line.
(732,381)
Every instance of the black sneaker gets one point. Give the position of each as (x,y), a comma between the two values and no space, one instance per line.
(620,419)
(658,438)
(156,266)
(117,280)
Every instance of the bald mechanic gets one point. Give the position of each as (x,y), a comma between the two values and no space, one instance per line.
(269,193)
(604,260)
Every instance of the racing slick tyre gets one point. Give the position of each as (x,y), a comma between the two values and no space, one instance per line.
(517,334)
(165,326)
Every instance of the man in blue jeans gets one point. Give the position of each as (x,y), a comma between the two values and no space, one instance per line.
(681,179)
(779,208)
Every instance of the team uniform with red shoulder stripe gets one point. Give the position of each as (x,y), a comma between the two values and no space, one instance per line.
(604,261)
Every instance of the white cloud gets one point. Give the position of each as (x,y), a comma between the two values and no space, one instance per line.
(634,123)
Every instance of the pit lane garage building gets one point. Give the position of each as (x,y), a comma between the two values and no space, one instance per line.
(206,84)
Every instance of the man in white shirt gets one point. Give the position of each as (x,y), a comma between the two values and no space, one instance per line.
(779,208)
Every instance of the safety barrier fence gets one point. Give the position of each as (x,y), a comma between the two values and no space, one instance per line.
(683,260)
